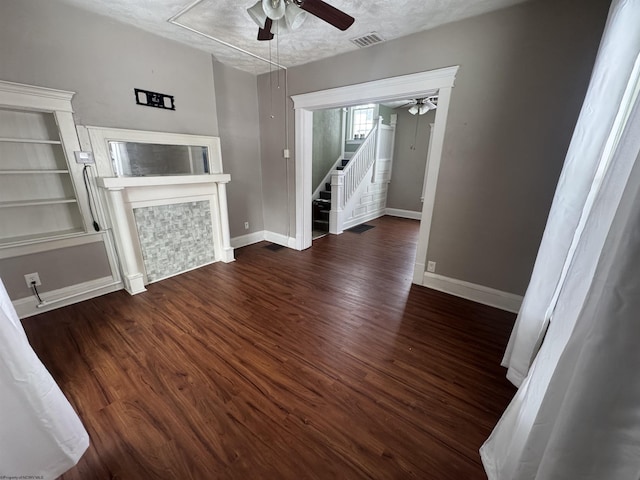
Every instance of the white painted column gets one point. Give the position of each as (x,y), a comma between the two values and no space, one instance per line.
(431,182)
(337,203)
(227,251)
(303,168)
(133,275)
(376,152)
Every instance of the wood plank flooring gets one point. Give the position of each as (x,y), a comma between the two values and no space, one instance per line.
(322,364)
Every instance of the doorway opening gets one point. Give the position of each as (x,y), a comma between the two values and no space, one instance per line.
(395,88)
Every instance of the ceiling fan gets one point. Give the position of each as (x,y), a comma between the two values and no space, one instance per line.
(422,105)
(280,16)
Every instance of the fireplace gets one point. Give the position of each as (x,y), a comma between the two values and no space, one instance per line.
(166,199)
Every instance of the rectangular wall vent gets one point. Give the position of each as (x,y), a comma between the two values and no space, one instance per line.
(367,40)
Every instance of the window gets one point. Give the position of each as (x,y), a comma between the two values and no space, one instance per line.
(362,120)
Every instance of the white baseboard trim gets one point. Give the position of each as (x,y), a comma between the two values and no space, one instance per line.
(396,212)
(352,222)
(261,236)
(280,239)
(248,239)
(471,291)
(27,307)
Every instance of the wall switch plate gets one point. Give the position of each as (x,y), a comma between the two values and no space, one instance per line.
(286,153)
(431,267)
(84,158)
(246,225)
(32,277)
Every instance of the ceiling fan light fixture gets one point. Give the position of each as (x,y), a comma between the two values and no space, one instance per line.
(274,9)
(257,14)
(430,104)
(413,110)
(280,27)
(423,109)
(294,16)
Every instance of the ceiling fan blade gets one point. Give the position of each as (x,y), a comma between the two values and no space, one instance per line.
(326,12)
(265,33)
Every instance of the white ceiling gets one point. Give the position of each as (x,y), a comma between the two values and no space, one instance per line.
(228,21)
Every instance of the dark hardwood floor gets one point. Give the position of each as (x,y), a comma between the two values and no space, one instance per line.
(322,364)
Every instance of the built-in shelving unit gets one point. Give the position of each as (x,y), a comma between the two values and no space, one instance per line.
(38,198)
(29,140)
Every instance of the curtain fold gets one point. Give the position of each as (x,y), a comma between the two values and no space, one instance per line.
(40,434)
(576,414)
(583,170)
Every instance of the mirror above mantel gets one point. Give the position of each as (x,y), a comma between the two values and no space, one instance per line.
(134,159)
(120,152)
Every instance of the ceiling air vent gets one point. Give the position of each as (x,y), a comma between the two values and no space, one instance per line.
(367,40)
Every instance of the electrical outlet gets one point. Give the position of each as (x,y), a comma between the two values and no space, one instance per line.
(84,158)
(32,277)
(431,267)
(246,225)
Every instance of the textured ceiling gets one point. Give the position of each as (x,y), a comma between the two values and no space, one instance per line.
(228,21)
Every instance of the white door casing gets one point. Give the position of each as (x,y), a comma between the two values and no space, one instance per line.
(414,85)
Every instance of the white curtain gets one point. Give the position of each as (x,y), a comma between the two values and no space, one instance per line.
(588,159)
(576,414)
(40,434)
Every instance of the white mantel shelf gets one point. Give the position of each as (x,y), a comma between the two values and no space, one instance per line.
(157,181)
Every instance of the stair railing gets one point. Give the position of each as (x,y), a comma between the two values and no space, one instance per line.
(345,182)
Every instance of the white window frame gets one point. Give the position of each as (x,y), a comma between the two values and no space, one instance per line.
(369,106)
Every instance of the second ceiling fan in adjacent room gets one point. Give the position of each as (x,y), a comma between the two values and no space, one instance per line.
(422,105)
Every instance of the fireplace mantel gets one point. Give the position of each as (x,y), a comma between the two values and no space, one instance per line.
(156,181)
(126,194)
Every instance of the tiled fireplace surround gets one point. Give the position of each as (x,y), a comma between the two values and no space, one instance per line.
(167,225)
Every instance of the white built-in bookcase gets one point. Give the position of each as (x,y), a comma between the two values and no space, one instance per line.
(41,194)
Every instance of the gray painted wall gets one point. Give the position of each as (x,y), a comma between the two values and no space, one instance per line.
(237,106)
(62,268)
(278,181)
(50,44)
(352,145)
(53,45)
(385,112)
(409,164)
(523,74)
(327,138)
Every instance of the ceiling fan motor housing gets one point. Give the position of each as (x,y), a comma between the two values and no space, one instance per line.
(274,9)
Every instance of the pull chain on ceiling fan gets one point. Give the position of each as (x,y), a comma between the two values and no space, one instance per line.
(281,16)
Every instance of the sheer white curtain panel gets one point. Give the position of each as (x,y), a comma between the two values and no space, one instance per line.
(588,158)
(41,436)
(576,414)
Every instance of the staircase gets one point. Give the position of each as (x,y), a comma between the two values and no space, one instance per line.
(322,205)
(355,190)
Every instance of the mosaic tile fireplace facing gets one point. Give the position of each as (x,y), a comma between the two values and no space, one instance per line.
(174,238)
